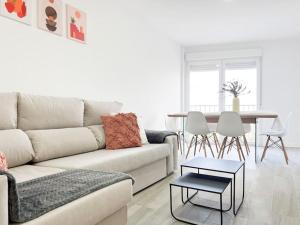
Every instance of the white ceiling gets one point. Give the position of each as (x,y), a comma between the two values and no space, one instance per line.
(198,22)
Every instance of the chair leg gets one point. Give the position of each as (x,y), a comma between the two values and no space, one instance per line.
(196,143)
(204,148)
(209,145)
(217,140)
(246,144)
(240,147)
(265,149)
(284,151)
(201,143)
(217,144)
(230,145)
(222,147)
(191,143)
(181,142)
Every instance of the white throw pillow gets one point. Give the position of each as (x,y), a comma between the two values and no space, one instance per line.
(99,134)
(142,131)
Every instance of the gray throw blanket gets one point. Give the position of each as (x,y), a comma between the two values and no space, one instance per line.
(34,198)
(158,137)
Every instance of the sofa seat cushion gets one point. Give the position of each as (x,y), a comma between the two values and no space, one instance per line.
(16,146)
(90,209)
(56,143)
(28,172)
(123,160)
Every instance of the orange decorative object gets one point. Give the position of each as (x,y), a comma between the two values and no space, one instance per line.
(16,6)
(121,131)
(76,33)
(77,14)
(3,163)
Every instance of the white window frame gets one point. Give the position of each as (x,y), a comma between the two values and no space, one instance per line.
(220,65)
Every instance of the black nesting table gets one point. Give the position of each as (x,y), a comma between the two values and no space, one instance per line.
(208,183)
(221,166)
(204,183)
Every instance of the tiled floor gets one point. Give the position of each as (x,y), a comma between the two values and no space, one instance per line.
(272,196)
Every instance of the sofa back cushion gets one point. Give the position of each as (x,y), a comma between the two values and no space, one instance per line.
(93,110)
(38,112)
(56,143)
(8,111)
(16,146)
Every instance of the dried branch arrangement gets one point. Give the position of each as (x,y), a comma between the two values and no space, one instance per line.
(236,88)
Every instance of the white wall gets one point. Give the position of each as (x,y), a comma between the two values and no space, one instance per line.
(124,60)
(280,78)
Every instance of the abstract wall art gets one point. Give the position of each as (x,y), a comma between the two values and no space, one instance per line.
(49,16)
(76,24)
(19,10)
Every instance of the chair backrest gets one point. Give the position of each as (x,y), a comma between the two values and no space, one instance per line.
(171,124)
(279,125)
(196,123)
(230,124)
(287,122)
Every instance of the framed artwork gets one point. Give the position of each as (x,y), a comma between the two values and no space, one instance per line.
(50,16)
(19,10)
(76,24)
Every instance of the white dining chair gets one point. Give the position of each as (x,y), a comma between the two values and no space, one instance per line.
(197,126)
(230,125)
(172,124)
(278,130)
(247,129)
(213,130)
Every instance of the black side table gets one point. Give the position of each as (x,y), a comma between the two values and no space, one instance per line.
(205,183)
(221,166)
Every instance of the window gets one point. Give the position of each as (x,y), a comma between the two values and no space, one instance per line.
(204,80)
(204,97)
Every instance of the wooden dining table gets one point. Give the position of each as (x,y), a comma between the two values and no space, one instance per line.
(250,117)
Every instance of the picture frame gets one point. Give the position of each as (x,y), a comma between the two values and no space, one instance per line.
(76,24)
(50,16)
(18,10)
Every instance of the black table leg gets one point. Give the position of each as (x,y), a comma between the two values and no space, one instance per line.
(235,212)
(234,194)
(171,209)
(183,135)
(221,209)
(182,200)
(189,199)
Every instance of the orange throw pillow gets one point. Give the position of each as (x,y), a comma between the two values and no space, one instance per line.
(121,131)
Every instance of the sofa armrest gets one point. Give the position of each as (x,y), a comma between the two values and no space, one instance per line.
(3,200)
(172,160)
(166,137)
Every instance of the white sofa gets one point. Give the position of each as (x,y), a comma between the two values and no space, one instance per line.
(46,135)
